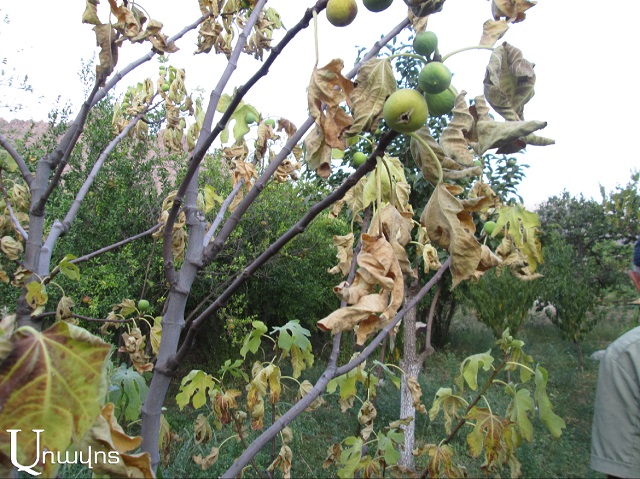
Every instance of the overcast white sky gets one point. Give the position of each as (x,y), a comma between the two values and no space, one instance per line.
(584,54)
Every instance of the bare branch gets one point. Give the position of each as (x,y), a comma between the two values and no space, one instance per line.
(223,209)
(85,318)
(22,165)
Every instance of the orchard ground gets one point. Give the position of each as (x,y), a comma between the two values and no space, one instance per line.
(570,390)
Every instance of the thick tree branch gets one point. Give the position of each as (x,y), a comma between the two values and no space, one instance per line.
(203,143)
(22,165)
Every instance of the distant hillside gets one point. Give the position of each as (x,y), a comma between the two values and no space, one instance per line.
(16,129)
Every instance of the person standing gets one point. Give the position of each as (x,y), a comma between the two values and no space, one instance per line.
(615,435)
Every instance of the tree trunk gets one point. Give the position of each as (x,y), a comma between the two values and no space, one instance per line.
(411,366)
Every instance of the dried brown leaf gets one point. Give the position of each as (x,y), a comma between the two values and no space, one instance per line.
(509,82)
(512,10)
(318,155)
(455,137)
(450,227)
(374,83)
(344,244)
(492,31)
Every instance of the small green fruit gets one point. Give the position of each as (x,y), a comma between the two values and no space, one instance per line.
(341,13)
(425,43)
(143,305)
(478,163)
(270,122)
(511,162)
(405,110)
(443,102)
(489,226)
(165,86)
(250,118)
(358,159)
(377,5)
(434,78)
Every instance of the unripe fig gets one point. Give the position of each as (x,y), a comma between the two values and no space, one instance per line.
(405,110)
(425,43)
(358,159)
(434,78)
(443,102)
(377,5)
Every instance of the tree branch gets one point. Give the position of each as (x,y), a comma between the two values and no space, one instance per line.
(145,58)
(16,223)
(22,165)
(276,246)
(205,140)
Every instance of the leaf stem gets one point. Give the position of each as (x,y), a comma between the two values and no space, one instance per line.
(474,47)
(409,55)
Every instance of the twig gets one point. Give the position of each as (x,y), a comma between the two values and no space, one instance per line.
(16,223)
(223,209)
(85,318)
(22,165)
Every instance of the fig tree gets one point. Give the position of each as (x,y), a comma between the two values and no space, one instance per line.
(341,13)
(425,43)
(434,78)
(405,110)
(358,159)
(377,5)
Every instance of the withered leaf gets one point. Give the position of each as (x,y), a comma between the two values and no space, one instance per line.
(105,39)
(344,244)
(509,82)
(512,10)
(378,266)
(327,90)
(450,227)
(318,154)
(492,31)
(90,14)
(429,162)
(454,139)
(374,83)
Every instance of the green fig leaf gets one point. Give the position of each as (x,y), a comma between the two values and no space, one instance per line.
(48,392)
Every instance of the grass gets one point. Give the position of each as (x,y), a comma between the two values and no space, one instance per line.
(570,390)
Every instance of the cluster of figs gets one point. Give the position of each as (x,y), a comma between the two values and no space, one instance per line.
(407,109)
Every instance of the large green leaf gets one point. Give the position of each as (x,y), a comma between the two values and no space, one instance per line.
(52,380)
